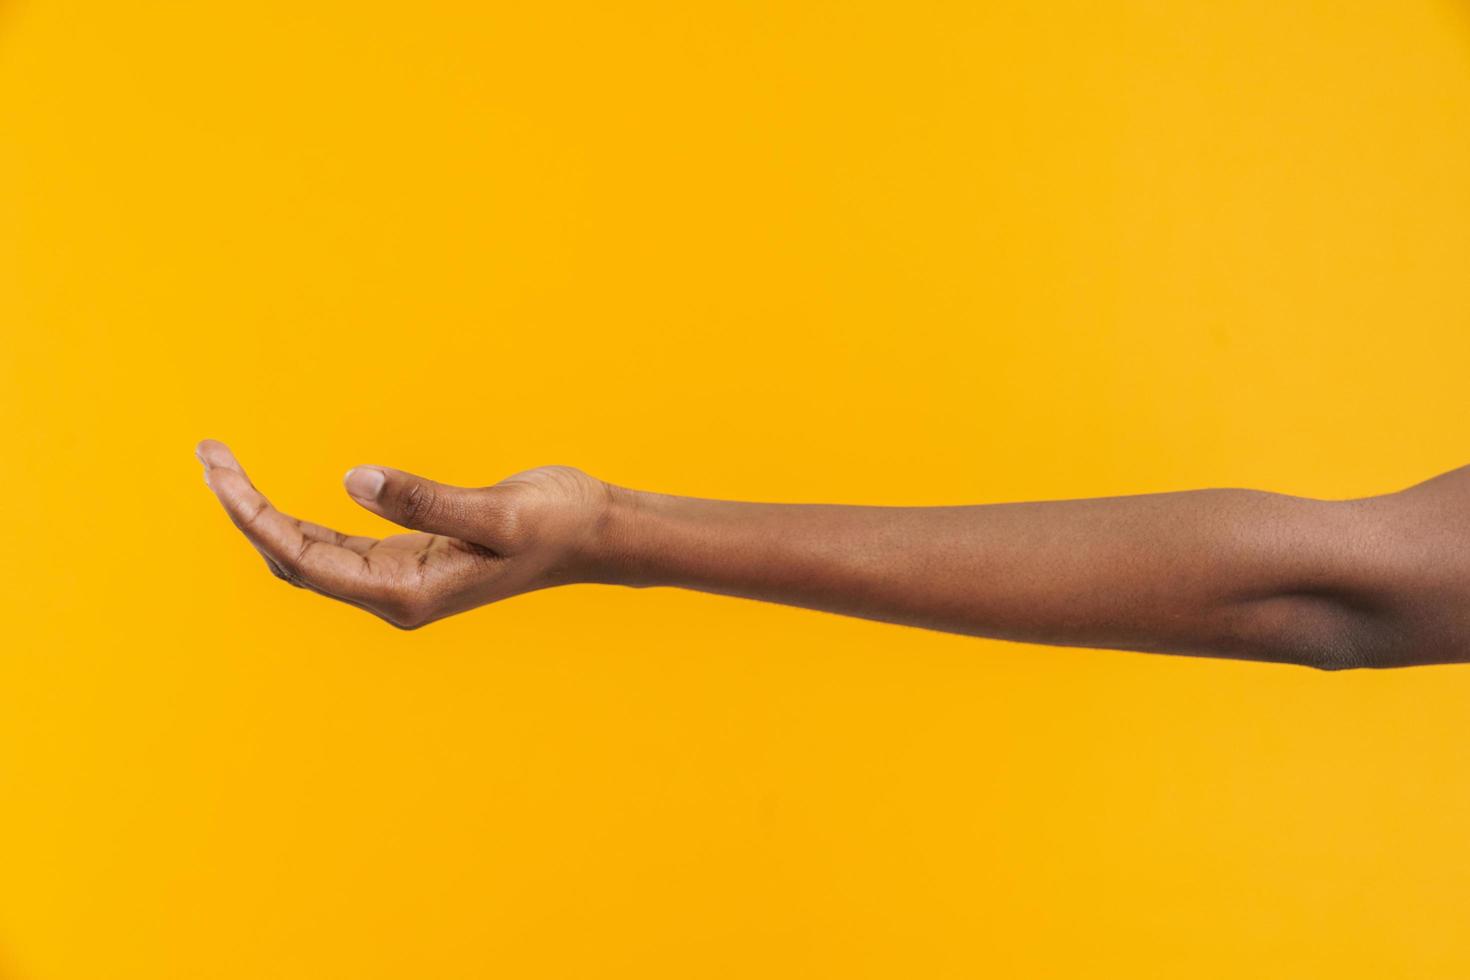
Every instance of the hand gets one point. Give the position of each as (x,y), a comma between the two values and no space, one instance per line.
(530,531)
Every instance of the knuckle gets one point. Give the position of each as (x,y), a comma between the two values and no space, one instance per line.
(258,510)
(285,574)
(290,569)
(418,501)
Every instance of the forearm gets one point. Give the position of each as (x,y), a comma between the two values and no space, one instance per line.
(1231,573)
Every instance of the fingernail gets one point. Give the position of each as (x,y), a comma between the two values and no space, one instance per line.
(364,482)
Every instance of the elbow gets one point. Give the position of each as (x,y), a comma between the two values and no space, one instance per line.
(1345,652)
(1316,632)
(1378,583)
(1318,651)
(1356,639)
(1384,642)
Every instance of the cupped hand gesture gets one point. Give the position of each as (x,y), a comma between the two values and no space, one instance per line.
(475,545)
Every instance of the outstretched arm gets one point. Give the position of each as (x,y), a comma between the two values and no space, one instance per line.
(1380,581)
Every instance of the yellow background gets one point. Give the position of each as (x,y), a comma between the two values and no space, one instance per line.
(873,253)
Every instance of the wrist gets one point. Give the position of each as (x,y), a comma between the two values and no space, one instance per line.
(610,554)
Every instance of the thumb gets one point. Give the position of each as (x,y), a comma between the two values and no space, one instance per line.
(417,503)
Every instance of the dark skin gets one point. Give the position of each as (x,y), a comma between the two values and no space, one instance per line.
(1378,581)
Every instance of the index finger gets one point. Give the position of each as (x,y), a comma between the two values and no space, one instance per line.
(320,564)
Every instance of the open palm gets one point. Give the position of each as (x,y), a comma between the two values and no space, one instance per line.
(472,546)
